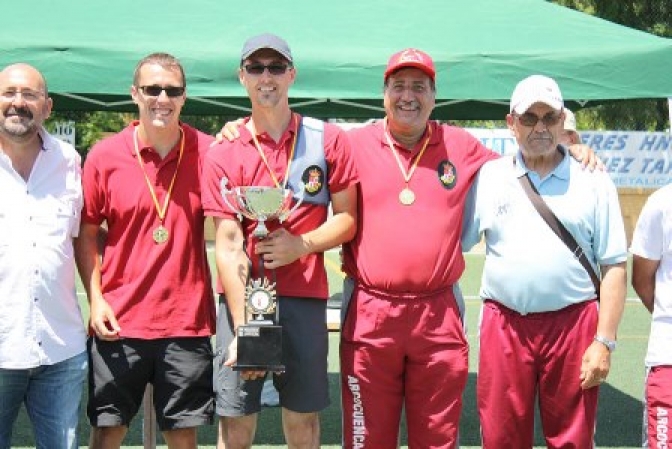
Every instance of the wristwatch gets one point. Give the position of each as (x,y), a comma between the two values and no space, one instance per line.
(610,344)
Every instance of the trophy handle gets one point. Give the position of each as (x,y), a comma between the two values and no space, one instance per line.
(240,209)
(302,193)
(225,194)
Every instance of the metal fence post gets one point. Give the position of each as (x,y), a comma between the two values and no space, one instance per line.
(148,419)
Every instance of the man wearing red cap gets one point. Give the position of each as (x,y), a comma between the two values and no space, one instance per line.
(403,340)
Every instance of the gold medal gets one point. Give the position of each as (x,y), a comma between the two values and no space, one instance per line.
(160,234)
(406,197)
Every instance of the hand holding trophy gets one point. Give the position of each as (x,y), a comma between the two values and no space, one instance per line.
(260,338)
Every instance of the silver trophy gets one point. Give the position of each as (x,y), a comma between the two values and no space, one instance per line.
(260,338)
(260,204)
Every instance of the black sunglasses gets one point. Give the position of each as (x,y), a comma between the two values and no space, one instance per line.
(529,119)
(275,68)
(155,91)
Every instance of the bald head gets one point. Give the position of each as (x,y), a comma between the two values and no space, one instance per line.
(24,102)
(26,72)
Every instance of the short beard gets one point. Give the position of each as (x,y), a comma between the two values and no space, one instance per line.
(21,130)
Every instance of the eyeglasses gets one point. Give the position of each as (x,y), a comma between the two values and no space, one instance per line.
(529,119)
(274,68)
(155,91)
(29,96)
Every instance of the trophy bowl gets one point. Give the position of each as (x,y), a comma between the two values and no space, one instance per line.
(260,203)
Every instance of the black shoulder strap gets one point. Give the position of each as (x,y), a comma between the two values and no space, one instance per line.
(559,229)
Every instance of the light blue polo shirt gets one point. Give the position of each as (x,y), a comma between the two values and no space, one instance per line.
(527,267)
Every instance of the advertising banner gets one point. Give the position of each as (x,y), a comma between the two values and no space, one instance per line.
(633,158)
(64,131)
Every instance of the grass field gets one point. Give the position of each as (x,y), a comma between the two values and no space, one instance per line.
(620,410)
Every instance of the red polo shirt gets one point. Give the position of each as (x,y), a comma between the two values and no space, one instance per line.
(156,290)
(411,249)
(242,165)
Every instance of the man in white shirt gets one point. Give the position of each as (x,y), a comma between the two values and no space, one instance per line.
(652,280)
(43,361)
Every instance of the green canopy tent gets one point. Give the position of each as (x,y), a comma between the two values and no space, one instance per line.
(88,51)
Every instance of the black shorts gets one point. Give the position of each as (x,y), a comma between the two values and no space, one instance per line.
(304,386)
(180,369)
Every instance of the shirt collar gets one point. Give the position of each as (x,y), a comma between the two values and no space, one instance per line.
(49,142)
(433,140)
(142,146)
(561,171)
(287,135)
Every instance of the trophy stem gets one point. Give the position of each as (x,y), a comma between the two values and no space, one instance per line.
(261,231)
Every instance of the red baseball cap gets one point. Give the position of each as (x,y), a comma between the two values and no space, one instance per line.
(411,57)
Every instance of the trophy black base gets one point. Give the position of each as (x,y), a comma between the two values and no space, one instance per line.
(259,348)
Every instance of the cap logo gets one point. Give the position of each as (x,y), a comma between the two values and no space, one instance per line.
(410,55)
(552,93)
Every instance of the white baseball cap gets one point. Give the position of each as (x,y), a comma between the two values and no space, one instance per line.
(536,89)
(570,121)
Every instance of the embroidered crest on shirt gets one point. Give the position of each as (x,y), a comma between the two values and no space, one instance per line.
(313,179)
(447,174)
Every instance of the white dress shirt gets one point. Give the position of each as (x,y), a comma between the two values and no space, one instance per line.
(40,318)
